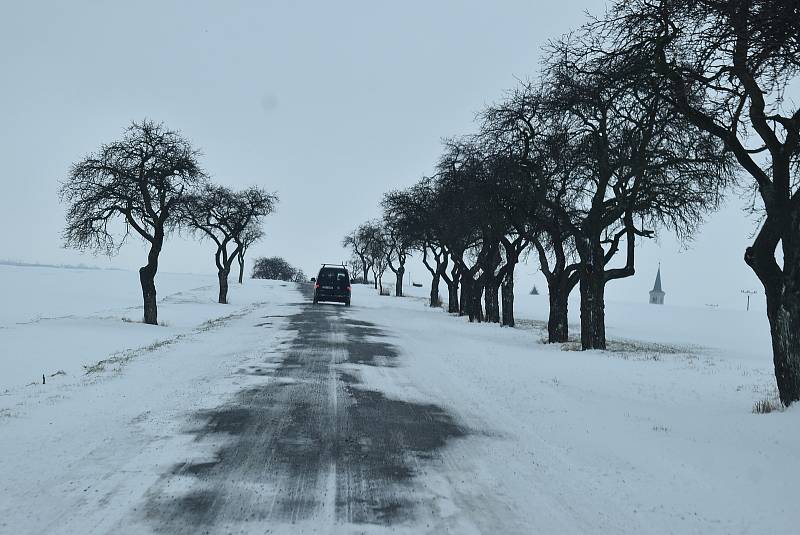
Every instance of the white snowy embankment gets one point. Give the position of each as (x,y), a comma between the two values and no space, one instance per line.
(656,437)
(54,321)
(78,454)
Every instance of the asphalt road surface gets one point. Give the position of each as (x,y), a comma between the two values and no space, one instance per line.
(310,446)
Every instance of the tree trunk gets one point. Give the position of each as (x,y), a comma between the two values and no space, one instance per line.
(452,297)
(398,285)
(557,322)
(475,311)
(784,323)
(593,321)
(508,297)
(222,274)
(366,272)
(147,278)
(435,302)
(491,299)
(452,290)
(241,269)
(466,288)
(783,299)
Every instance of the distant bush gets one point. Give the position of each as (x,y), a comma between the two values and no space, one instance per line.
(276,268)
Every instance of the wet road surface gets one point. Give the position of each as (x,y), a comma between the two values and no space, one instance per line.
(311,445)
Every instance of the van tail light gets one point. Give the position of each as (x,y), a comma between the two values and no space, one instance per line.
(316,285)
(348,288)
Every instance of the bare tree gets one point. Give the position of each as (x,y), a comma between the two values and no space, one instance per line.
(141,179)
(368,244)
(224,217)
(359,242)
(248,237)
(378,252)
(640,166)
(514,199)
(354,266)
(540,163)
(725,67)
(413,215)
(398,234)
(461,192)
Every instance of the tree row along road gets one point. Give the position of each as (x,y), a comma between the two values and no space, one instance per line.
(311,445)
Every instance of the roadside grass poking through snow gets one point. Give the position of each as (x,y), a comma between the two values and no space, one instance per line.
(130,320)
(123,357)
(643,351)
(768,405)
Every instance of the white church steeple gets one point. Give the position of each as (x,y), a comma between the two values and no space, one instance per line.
(657,294)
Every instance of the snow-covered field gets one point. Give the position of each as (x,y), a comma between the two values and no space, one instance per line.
(656,436)
(59,320)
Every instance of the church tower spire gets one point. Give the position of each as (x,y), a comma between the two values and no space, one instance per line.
(657,293)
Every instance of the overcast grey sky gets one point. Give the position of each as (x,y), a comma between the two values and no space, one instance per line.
(329,104)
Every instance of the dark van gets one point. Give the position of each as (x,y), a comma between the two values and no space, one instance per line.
(332,284)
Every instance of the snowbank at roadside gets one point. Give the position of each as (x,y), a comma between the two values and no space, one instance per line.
(81,453)
(54,322)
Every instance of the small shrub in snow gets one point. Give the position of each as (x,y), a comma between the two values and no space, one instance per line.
(767,405)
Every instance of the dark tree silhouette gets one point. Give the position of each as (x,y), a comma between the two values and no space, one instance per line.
(461,193)
(725,67)
(379,252)
(355,266)
(226,217)
(514,198)
(142,179)
(401,231)
(397,245)
(248,237)
(640,165)
(359,241)
(541,164)
(415,217)
(373,249)
(276,268)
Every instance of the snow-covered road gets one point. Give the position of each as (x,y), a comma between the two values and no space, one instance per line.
(277,416)
(310,448)
(254,422)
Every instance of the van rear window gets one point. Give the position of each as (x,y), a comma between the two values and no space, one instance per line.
(332,275)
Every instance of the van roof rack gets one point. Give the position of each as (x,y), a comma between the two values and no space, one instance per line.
(337,265)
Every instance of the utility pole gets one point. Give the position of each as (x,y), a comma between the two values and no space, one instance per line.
(749,293)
